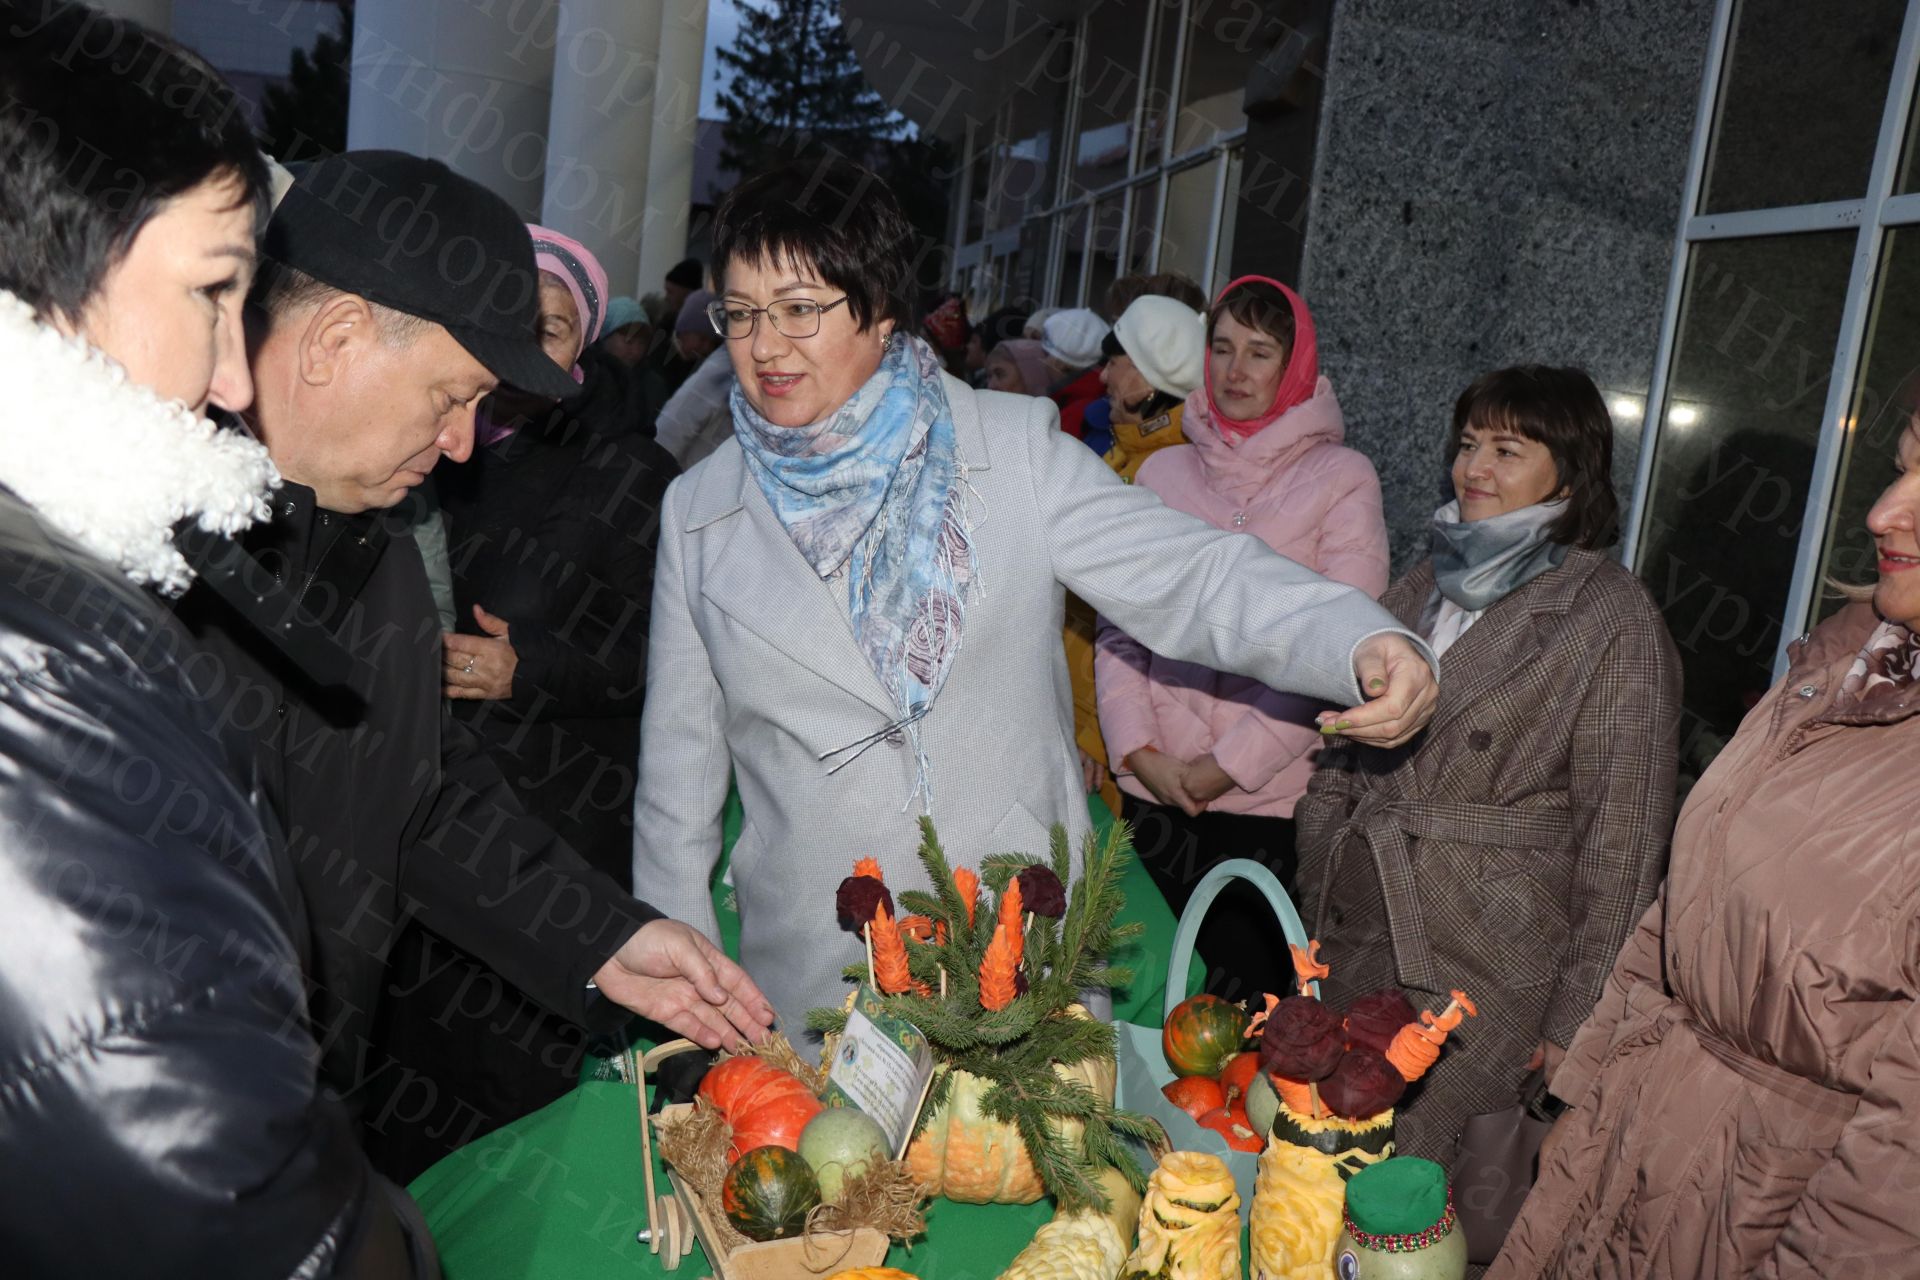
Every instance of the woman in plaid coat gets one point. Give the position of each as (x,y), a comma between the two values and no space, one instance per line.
(1511,847)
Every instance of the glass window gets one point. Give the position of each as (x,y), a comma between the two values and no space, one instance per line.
(1800,102)
(1759,322)
(1026,283)
(1876,416)
(1908,178)
(1143,228)
(1073,249)
(1107,216)
(1229,211)
(1109,92)
(1223,43)
(979,185)
(1190,219)
(1160,105)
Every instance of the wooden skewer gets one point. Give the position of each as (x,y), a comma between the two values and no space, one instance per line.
(1319,1108)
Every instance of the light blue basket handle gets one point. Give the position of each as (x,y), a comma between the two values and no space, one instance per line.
(1204,893)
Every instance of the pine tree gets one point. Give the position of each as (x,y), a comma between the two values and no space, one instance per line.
(307,117)
(794,84)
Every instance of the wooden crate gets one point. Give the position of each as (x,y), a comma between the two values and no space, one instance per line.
(829,1254)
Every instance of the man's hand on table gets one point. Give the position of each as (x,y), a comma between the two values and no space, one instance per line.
(1402,689)
(671,973)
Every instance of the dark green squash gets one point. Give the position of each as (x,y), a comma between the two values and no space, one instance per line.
(768,1194)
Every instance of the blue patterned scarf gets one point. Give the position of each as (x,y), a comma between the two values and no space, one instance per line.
(875,486)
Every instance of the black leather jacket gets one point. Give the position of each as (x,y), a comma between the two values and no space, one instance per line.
(159,1114)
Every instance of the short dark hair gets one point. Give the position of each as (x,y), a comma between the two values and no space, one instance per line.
(1123,292)
(837,215)
(102,122)
(1563,410)
(1257,305)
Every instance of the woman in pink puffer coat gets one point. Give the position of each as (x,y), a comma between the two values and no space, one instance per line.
(1211,763)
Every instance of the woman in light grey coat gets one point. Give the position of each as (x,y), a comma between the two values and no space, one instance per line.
(858,600)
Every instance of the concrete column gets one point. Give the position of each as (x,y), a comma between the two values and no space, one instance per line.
(157,14)
(466,82)
(676,121)
(600,129)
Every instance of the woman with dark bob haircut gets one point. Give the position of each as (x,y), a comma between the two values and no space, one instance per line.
(159,1107)
(859,597)
(1510,849)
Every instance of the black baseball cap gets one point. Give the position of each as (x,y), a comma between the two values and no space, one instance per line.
(413,235)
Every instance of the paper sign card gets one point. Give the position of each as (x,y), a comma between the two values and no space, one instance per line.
(882,1066)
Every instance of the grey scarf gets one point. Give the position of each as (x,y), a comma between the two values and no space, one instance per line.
(1478,562)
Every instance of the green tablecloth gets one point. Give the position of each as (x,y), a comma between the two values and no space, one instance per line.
(559,1193)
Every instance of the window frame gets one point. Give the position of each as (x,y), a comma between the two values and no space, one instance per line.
(1157,168)
(1872,216)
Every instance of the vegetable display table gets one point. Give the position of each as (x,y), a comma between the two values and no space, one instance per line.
(559,1193)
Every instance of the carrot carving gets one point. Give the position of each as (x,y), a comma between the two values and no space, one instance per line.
(889,954)
(1307,965)
(1000,968)
(1416,1046)
(868,867)
(968,885)
(1297,1095)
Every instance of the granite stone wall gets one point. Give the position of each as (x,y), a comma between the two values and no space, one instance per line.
(1495,182)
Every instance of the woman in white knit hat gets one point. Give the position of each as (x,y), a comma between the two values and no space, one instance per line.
(1151,361)
(1212,764)
(1071,342)
(1155,358)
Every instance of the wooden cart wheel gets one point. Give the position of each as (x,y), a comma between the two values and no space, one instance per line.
(669,1232)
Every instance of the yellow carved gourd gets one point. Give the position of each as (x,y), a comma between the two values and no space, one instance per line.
(1298,1195)
(1189,1222)
(1087,1245)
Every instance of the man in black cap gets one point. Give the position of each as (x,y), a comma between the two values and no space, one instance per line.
(394,295)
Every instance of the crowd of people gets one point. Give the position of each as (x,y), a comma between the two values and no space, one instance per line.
(388,615)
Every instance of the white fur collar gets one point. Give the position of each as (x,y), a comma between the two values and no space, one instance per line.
(109,463)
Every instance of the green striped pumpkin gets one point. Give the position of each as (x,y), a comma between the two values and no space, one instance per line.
(768,1194)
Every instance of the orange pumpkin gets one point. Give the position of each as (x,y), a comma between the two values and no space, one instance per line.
(765,1106)
(1239,1074)
(964,1156)
(1195,1095)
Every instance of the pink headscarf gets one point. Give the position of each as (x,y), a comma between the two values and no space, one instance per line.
(581,272)
(1296,384)
(573,265)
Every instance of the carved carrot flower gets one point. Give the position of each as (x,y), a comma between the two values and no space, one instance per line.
(889,955)
(868,867)
(919,928)
(1000,969)
(1415,1047)
(1307,965)
(968,885)
(1013,920)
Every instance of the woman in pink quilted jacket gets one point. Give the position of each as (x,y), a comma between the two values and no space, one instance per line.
(1210,763)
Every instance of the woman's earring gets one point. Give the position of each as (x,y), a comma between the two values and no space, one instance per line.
(886,342)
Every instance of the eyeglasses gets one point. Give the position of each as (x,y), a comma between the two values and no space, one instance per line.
(791,317)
